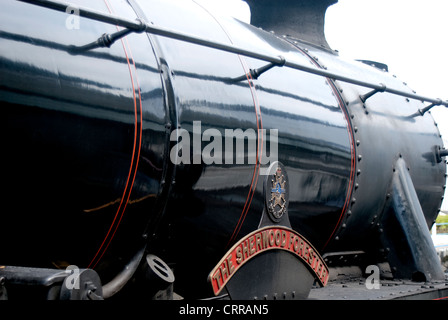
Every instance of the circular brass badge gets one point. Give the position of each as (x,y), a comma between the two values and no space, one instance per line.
(276,188)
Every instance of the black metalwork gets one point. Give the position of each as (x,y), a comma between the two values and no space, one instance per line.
(438,102)
(109,151)
(418,258)
(441,153)
(136,27)
(255,73)
(50,284)
(116,285)
(106,40)
(369,94)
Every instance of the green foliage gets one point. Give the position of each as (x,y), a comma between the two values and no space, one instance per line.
(442,219)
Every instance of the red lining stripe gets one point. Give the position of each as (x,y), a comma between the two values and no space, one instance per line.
(352,147)
(353,161)
(134,160)
(256,174)
(253,184)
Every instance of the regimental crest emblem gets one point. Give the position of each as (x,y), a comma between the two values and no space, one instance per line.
(276,192)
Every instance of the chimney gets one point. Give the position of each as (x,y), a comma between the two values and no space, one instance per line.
(300,19)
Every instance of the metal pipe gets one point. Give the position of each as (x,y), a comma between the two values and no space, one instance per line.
(117,283)
(139,25)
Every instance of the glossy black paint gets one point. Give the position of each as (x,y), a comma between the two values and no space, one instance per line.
(85,134)
(87,142)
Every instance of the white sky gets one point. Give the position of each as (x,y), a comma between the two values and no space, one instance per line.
(410,36)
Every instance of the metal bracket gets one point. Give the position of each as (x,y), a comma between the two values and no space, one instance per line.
(49,284)
(255,73)
(424,110)
(440,153)
(107,39)
(366,96)
(160,31)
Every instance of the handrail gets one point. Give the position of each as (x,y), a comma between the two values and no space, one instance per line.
(140,25)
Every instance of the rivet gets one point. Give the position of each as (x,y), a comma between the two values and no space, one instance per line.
(355,128)
(358,172)
(359,157)
(356,185)
(358,142)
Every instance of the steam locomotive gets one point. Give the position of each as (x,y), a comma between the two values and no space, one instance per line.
(153,149)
